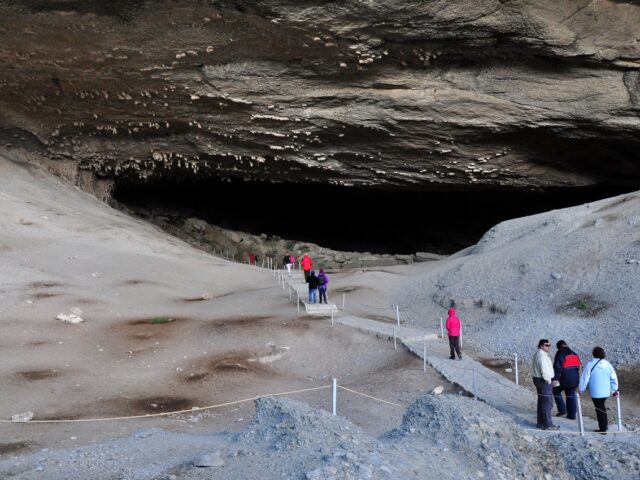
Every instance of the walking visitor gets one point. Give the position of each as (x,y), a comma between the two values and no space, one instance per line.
(453,330)
(286,261)
(306,263)
(323,281)
(566,369)
(542,371)
(602,381)
(313,286)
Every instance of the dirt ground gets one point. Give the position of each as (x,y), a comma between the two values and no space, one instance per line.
(231,358)
(166,328)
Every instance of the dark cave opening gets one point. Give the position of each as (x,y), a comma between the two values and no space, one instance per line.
(348,218)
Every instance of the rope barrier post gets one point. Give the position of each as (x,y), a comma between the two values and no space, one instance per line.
(395,345)
(619,412)
(441,329)
(516,367)
(344,297)
(580,420)
(475,396)
(424,356)
(398,314)
(334,383)
(298,301)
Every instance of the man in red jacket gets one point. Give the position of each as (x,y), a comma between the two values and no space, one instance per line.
(453,330)
(306,264)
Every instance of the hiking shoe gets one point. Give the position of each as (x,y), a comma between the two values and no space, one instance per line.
(452,358)
(561,414)
(460,357)
(540,426)
(551,427)
(601,432)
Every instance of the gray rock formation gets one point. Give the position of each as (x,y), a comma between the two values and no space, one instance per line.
(399,94)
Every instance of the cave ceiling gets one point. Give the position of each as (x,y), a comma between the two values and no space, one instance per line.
(393,94)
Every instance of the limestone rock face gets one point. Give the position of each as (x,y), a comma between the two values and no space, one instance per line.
(394,93)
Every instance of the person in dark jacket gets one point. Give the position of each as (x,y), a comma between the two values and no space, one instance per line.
(566,370)
(313,286)
(323,281)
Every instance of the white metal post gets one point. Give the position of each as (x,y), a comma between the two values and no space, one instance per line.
(424,356)
(475,394)
(335,395)
(516,366)
(344,298)
(441,329)
(398,314)
(395,345)
(619,412)
(580,420)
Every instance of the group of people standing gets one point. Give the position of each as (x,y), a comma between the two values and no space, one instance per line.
(563,376)
(317,283)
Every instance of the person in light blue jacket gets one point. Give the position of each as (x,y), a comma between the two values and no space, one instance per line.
(602,381)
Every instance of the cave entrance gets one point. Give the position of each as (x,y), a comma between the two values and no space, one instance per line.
(348,218)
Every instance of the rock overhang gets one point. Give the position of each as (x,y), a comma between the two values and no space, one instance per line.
(414,96)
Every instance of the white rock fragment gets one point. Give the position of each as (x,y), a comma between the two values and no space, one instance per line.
(73,317)
(438,390)
(22,417)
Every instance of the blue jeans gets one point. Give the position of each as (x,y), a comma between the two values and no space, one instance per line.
(312,295)
(571,406)
(323,294)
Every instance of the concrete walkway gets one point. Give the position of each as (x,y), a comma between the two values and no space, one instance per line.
(482,382)
(300,290)
(469,374)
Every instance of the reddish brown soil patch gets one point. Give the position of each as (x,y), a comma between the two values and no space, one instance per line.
(500,365)
(382,318)
(226,364)
(237,321)
(46,295)
(44,284)
(159,321)
(38,374)
(162,404)
(194,299)
(233,362)
(346,289)
(56,417)
(13,447)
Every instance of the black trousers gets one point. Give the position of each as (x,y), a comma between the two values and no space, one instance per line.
(454,345)
(545,402)
(601,413)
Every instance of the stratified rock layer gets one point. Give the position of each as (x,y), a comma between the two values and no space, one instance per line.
(401,94)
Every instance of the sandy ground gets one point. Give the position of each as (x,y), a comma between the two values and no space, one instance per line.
(166,328)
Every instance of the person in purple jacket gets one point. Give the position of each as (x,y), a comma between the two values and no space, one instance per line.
(323,281)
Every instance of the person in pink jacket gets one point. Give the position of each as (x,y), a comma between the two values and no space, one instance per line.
(453,330)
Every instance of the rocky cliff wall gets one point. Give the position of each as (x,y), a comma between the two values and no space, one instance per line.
(397,94)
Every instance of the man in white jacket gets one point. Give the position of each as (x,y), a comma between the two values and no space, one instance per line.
(542,371)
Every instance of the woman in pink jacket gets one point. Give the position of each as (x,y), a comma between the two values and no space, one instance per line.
(453,330)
